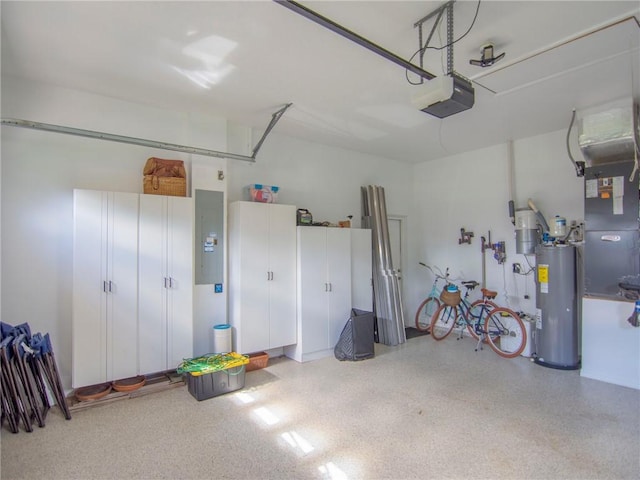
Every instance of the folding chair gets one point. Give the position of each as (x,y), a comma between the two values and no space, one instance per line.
(37,406)
(9,410)
(47,364)
(13,384)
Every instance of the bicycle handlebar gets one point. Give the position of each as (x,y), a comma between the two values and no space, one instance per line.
(438,273)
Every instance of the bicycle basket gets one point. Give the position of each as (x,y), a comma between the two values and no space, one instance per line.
(450,298)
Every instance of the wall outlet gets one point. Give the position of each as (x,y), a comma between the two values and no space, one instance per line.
(517,268)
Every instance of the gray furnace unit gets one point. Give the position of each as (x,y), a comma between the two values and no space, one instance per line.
(608,140)
(557,307)
(611,234)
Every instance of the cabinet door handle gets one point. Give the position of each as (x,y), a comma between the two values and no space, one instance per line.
(104,286)
(110,286)
(171,282)
(326,287)
(165,282)
(330,287)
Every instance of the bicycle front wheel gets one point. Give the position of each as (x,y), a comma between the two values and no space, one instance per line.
(477,315)
(443,321)
(425,312)
(505,332)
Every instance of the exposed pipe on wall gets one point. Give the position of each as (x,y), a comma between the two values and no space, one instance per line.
(511,181)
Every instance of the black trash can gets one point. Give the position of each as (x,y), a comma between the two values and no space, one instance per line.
(356,340)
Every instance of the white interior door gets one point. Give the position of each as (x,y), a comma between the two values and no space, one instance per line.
(361,270)
(339,278)
(253,249)
(314,334)
(152,339)
(89,339)
(282,283)
(180,272)
(395,238)
(122,308)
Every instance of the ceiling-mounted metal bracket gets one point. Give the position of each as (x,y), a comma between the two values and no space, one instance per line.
(354,37)
(448,8)
(274,119)
(47,127)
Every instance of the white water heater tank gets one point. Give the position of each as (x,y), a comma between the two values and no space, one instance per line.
(526,231)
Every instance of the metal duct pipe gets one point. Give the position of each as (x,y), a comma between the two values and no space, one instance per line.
(387,297)
(384,229)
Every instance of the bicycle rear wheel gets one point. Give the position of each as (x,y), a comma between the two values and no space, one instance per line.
(443,321)
(477,315)
(425,312)
(505,332)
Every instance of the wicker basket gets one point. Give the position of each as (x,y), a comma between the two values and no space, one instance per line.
(173,186)
(257,361)
(450,298)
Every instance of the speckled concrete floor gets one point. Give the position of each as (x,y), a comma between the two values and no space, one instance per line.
(422,410)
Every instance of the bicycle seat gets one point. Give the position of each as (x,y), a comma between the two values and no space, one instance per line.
(489,293)
(470,284)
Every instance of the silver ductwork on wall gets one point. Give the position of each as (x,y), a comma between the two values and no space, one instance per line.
(386,288)
(609,133)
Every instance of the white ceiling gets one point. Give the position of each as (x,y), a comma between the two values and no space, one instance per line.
(559,56)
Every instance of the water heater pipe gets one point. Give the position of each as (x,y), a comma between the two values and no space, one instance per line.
(511,181)
(539,215)
(578,165)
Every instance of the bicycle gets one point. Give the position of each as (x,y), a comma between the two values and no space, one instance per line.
(430,304)
(474,313)
(500,327)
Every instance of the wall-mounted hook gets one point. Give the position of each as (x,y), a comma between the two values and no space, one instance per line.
(220,175)
(465,237)
(484,245)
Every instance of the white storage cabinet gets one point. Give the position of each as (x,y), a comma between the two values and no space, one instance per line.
(165,301)
(361,270)
(328,270)
(262,275)
(105,286)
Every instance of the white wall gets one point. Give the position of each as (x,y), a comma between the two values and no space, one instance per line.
(471,191)
(325,180)
(40,171)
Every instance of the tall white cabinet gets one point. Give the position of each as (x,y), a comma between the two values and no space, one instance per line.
(332,272)
(132,285)
(165,320)
(262,275)
(105,286)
